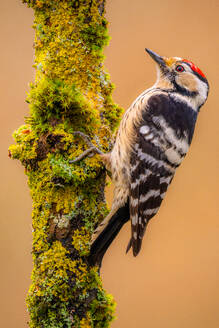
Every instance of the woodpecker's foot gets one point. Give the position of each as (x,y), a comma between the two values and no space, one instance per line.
(92,150)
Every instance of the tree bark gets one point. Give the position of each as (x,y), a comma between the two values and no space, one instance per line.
(71,92)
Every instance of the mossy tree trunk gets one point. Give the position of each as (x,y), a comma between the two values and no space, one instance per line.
(71,92)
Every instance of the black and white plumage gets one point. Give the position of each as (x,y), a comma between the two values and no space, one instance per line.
(153,138)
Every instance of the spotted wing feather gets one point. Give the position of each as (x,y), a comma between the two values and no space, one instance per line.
(149,181)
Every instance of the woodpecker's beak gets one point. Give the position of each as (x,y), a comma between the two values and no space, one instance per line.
(158,59)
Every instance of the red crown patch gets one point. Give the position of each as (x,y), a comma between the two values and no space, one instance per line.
(195,68)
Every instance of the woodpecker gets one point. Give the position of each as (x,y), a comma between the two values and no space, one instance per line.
(153,138)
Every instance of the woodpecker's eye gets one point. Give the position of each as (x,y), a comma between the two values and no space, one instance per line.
(180,68)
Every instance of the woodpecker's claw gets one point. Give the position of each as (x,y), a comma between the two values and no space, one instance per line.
(84,154)
(93,149)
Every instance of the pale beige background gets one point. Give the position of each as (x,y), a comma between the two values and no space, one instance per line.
(174,282)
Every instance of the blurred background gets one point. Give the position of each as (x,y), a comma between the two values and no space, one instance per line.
(174,282)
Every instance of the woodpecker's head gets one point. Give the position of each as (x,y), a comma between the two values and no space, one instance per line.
(182,77)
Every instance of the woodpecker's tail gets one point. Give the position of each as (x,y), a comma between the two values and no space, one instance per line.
(107,235)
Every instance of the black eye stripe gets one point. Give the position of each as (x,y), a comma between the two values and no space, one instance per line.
(196,74)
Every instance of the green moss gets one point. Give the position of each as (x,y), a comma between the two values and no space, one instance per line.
(71,92)
(53,102)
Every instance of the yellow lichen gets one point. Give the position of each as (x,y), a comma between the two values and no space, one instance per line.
(81,241)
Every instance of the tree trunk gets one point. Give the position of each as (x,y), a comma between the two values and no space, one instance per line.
(71,92)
